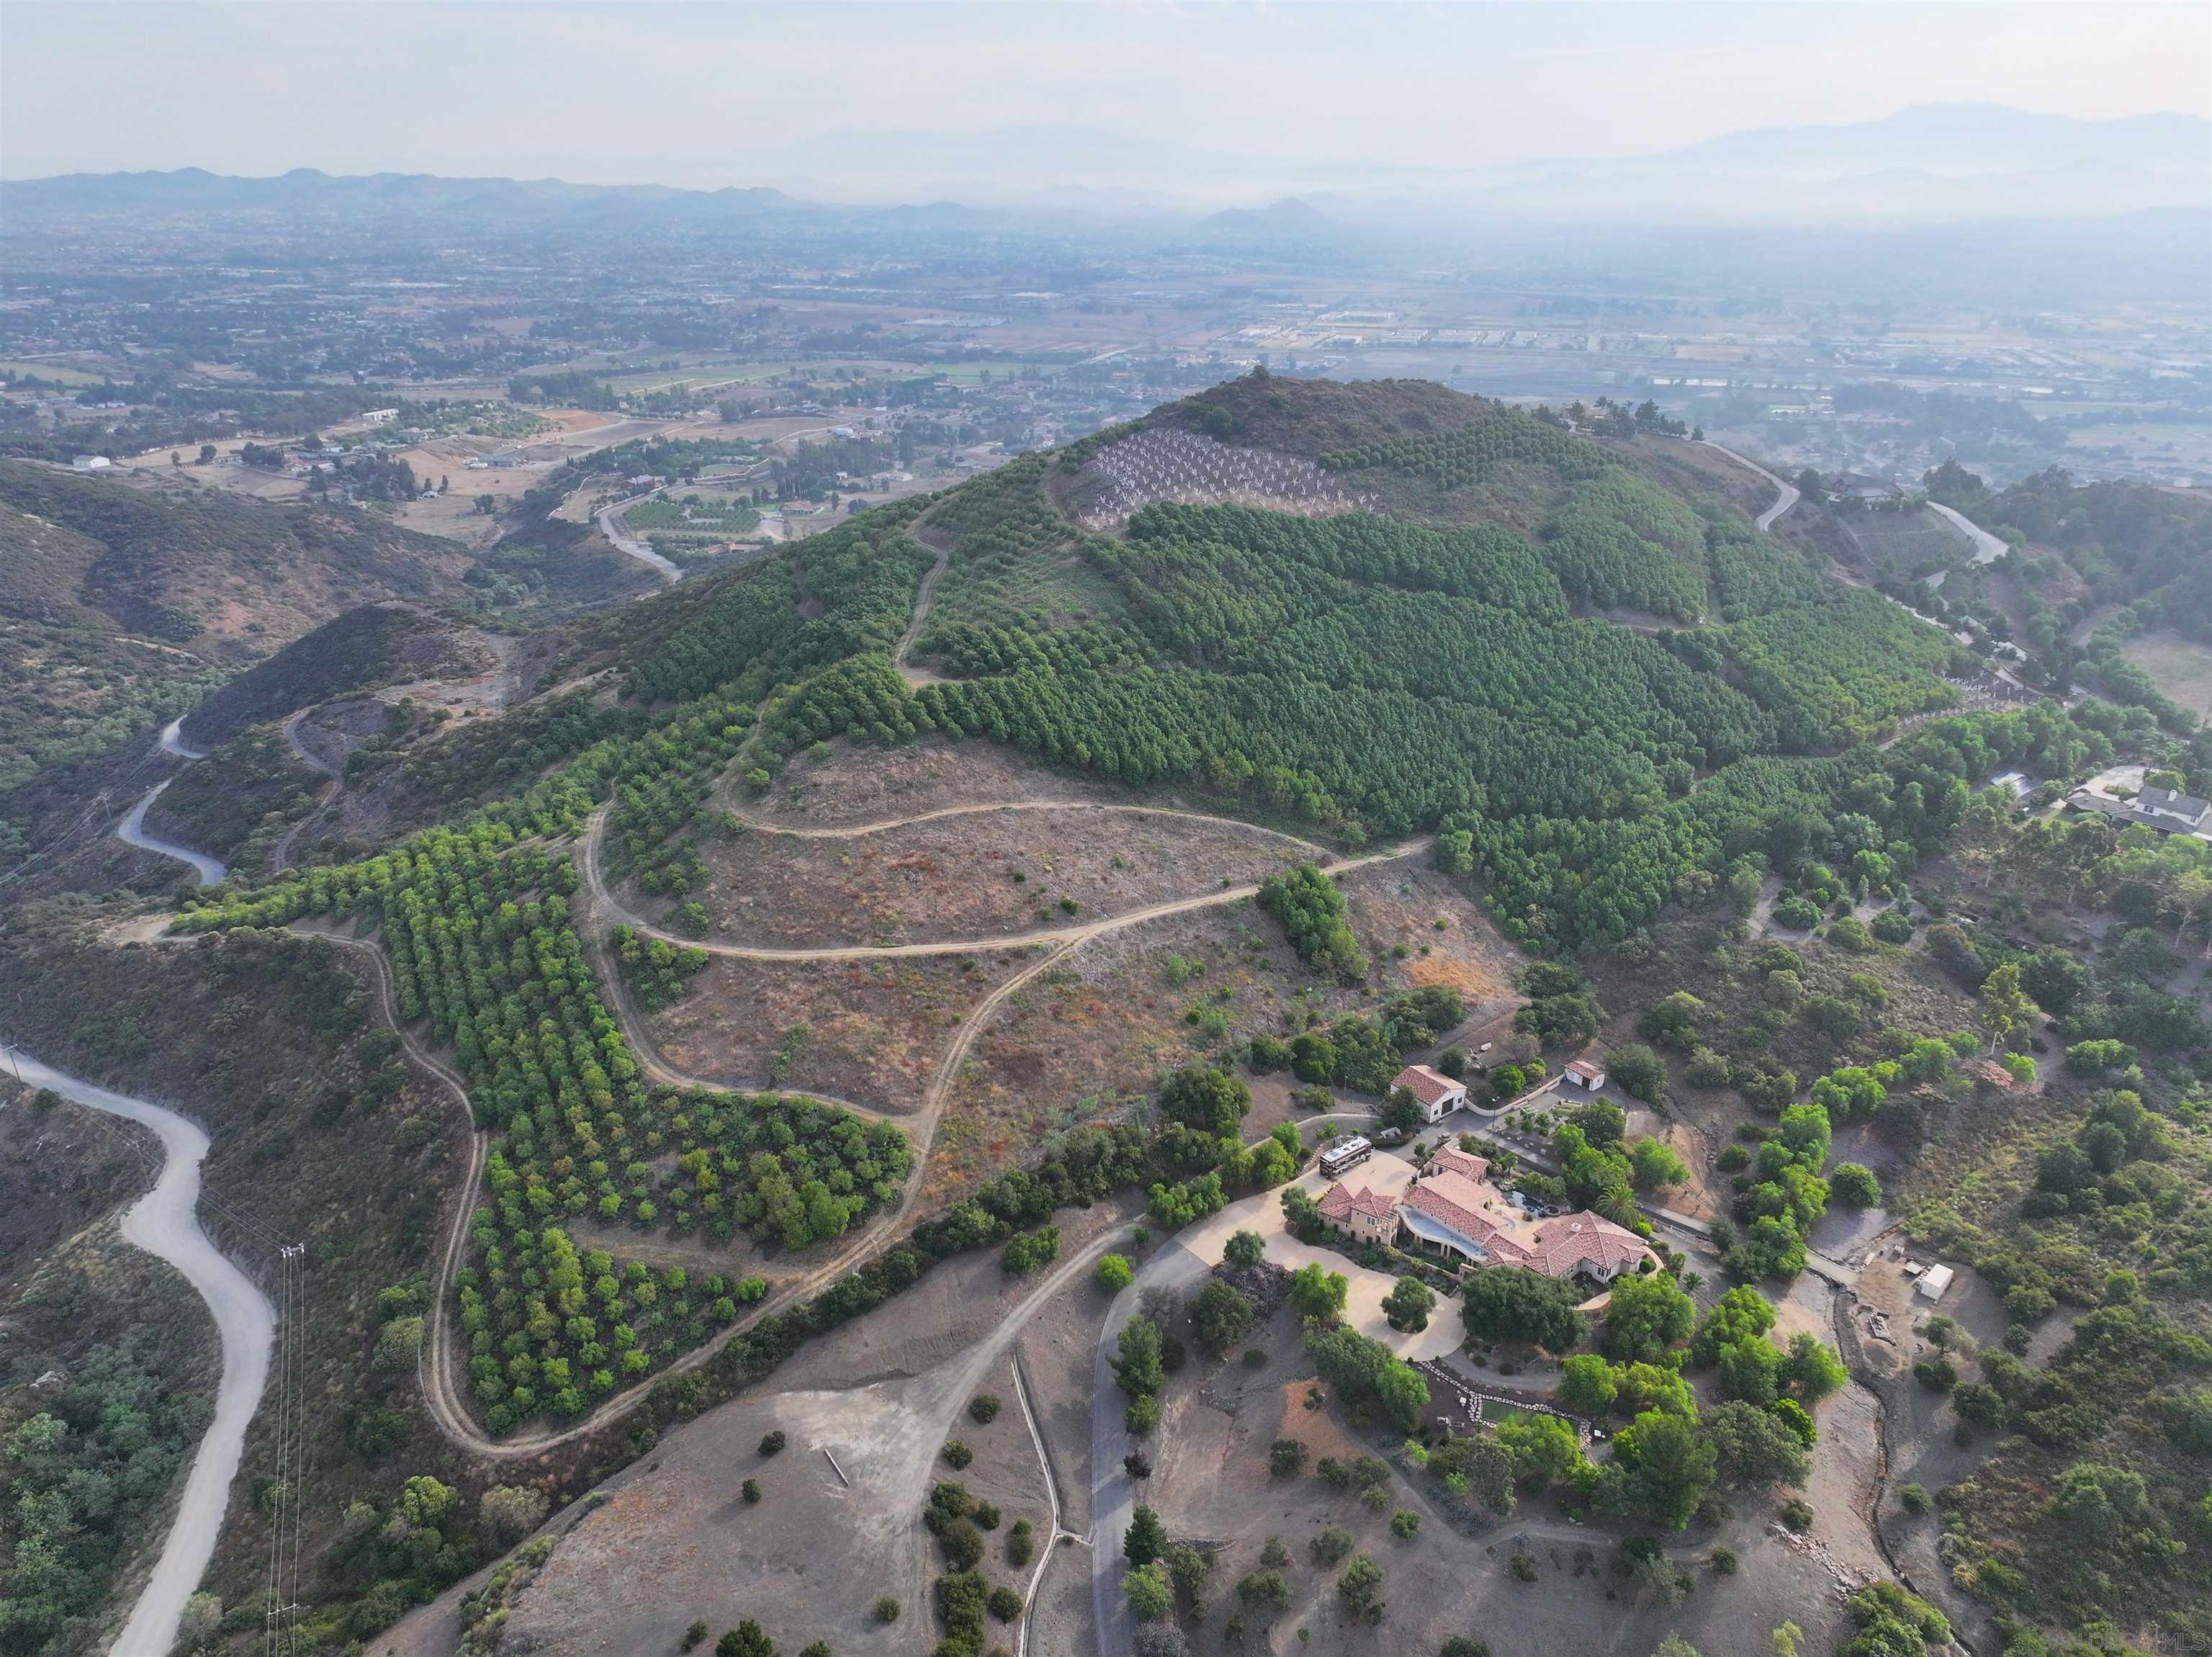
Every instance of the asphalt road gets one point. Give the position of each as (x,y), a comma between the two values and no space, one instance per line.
(131,831)
(165,1222)
(1784,501)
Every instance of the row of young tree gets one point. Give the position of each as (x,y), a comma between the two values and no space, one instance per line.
(478,928)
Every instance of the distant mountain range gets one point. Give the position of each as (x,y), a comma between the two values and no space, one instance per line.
(1932,163)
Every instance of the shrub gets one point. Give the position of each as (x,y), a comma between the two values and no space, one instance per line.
(748,1639)
(1406,1305)
(1331,1545)
(1797,1514)
(1114,1273)
(1462,1645)
(1286,1458)
(1142,1417)
(1914,1498)
(507,1512)
(983,1408)
(1797,913)
(1851,933)
(1266,1588)
(1937,1374)
(1523,1568)
(1021,1542)
(957,1454)
(751,1490)
(1149,1594)
(1404,1524)
(1726,1561)
(1854,1186)
(1637,1070)
(1244,1248)
(694,1637)
(1004,1604)
(887,1610)
(772,1443)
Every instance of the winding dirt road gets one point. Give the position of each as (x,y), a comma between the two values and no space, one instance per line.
(609,907)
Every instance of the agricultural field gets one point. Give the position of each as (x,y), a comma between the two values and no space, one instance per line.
(2181,667)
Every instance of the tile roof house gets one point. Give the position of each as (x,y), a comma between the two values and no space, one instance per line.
(1587,1244)
(1584,1073)
(1369,1215)
(1438,1094)
(1452,1210)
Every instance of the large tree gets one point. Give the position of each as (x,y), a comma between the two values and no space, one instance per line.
(1508,1303)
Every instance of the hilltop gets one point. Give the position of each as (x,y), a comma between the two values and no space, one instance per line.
(834,958)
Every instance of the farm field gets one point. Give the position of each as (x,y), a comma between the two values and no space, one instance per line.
(2182,666)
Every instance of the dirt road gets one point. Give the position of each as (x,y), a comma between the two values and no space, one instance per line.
(604,901)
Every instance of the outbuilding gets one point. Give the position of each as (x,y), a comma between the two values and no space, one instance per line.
(1438,1094)
(1583,1073)
(1933,1282)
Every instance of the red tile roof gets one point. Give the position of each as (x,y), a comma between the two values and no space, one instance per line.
(1454,1201)
(1430,1087)
(1567,1244)
(1582,1071)
(1337,1202)
(1450,1159)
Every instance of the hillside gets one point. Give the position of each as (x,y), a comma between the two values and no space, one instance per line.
(1067,863)
(122,604)
(365,648)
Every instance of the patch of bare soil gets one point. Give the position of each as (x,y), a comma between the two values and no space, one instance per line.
(1396,909)
(872,1032)
(988,874)
(1092,1034)
(333,731)
(837,784)
(1212,1486)
(864,1412)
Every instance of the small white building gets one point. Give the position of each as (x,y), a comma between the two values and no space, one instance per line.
(1583,1073)
(90,463)
(379,417)
(1933,1282)
(1438,1094)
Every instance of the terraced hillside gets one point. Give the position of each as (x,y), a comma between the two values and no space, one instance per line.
(964,872)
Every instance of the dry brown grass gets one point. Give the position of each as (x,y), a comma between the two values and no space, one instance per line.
(988,874)
(874,1032)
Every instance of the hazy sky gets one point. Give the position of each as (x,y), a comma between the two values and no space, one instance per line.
(701,94)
